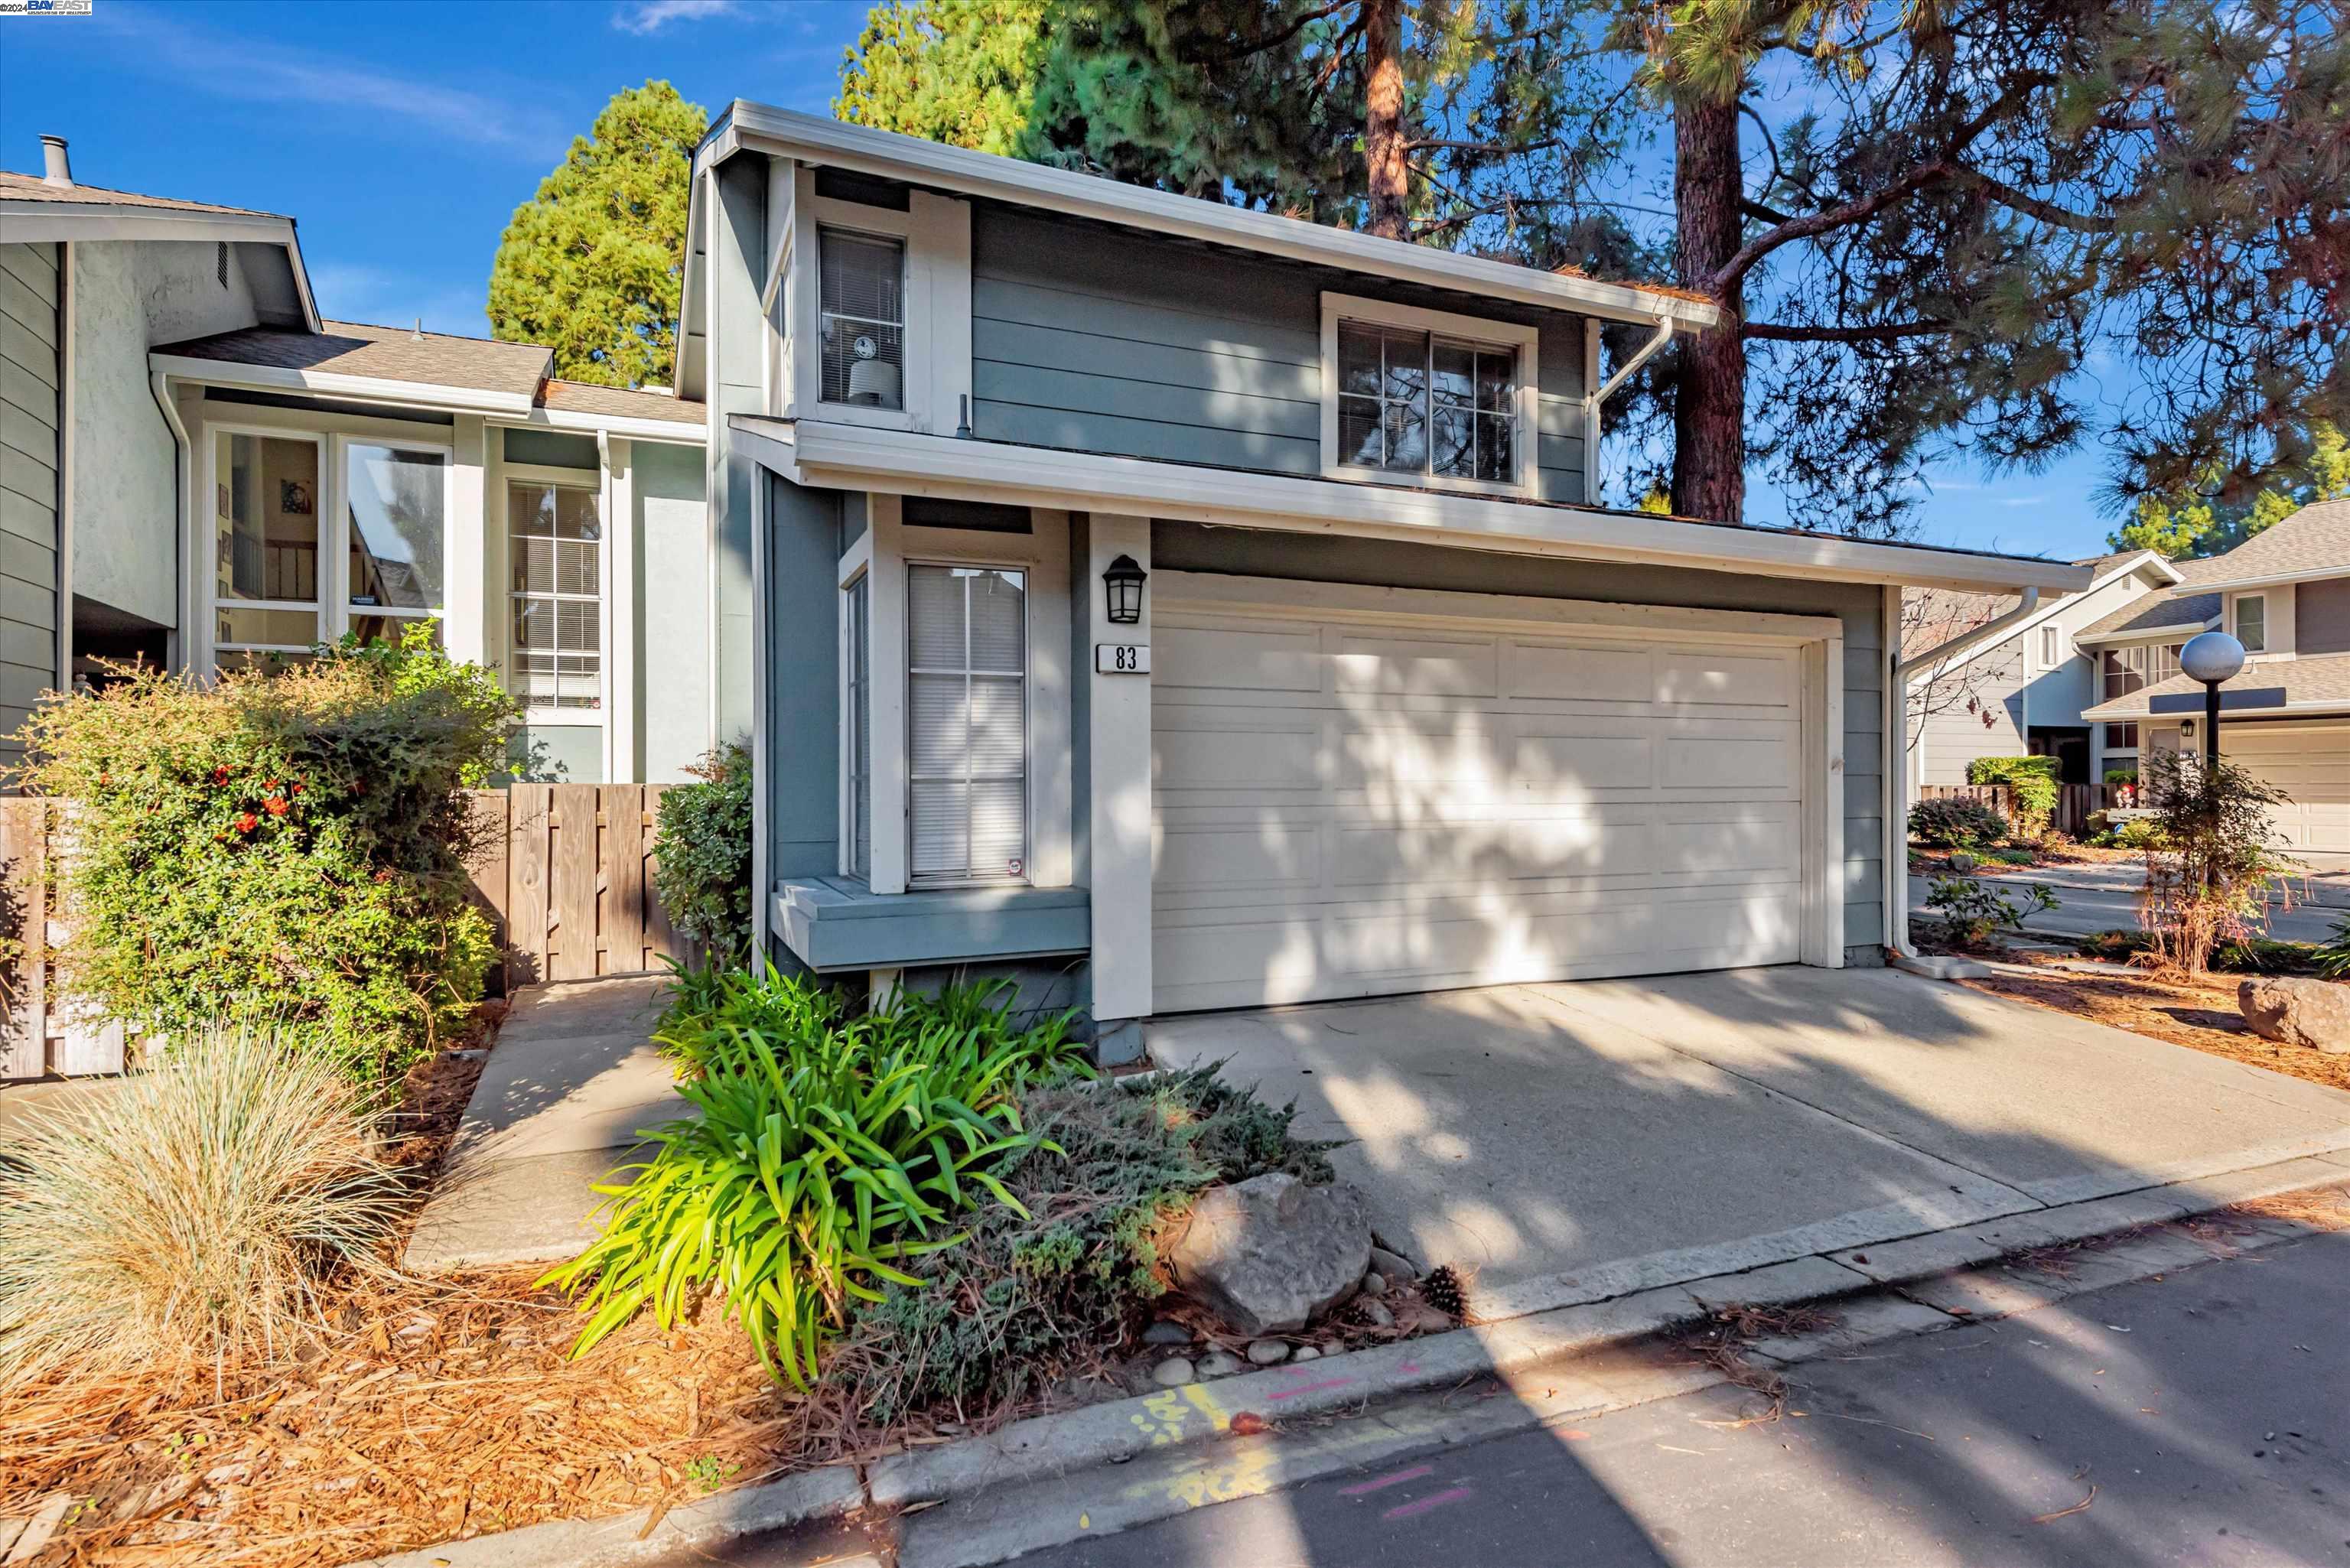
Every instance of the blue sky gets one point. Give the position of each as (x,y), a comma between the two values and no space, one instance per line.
(401,137)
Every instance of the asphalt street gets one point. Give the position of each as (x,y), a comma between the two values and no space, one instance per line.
(2198,1418)
(2084,911)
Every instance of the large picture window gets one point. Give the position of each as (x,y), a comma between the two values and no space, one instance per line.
(397,500)
(556,543)
(266,509)
(967,740)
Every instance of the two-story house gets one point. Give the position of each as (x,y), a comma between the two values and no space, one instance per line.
(1191,607)
(1988,676)
(197,468)
(2285,594)
(1173,606)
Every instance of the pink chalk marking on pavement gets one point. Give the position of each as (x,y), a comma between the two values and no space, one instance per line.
(1359,1487)
(1309,1387)
(1407,1510)
(1406,1367)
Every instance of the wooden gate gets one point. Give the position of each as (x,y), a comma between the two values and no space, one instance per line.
(567,872)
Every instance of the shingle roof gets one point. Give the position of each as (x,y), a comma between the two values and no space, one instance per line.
(16,187)
(2177,608)
(2313,679)
(2312,541)
(585,398)
(384,353)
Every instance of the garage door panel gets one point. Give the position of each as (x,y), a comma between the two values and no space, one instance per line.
(1239,657)
(1686,677)
(1581,672)
(1417,667)
(2311,766)
(1766,763)
(1428,808)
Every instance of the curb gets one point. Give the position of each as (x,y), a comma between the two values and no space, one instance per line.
(1058,1447)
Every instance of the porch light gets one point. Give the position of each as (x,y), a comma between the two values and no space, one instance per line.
(1123,581)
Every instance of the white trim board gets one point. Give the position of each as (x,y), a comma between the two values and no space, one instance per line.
(820,142)
(506,408)
(833,456)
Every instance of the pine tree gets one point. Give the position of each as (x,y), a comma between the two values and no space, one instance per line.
(2192,526)
(593,266)
(962,72)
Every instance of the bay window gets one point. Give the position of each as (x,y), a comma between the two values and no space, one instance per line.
(966,705)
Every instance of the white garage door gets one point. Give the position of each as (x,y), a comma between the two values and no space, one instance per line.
(2311,764)
(1351,806)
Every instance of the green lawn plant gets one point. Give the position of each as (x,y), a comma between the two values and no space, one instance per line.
(2032,784)
(1972,911)
(2213,858)
(701,845)
(276,850)
(829,1153)
(1951,822)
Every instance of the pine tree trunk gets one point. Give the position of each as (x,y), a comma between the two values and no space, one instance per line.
(1383,118)
(1709,404)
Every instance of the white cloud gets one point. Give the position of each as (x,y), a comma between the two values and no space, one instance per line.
(651,16)
(2022,500)
(260,72)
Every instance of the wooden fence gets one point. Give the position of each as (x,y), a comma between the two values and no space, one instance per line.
(566,871)
(2075,803)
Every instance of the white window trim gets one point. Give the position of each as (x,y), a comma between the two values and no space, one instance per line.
(2235,620)
(856,568)
(1044,554)
(333,606)
(2052,647)
(936,232)
(596,480)
(1523,340)
(973,878)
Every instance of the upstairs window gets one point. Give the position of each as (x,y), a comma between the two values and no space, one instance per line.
(2253,622)
(1428,397)
(2052,647)
(862,284)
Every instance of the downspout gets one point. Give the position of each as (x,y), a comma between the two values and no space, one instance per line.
(183,483)
(67,389)
(1897,730)
(1592,400)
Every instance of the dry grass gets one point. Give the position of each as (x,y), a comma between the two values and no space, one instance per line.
(190,1218)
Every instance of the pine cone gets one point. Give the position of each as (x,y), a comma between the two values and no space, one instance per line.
(1442,1290)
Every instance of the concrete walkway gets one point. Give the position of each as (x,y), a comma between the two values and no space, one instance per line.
(1574,1142)
(571,1082)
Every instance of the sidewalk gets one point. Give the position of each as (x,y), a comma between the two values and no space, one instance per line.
(570,1083)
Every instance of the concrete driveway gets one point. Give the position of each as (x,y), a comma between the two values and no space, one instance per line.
(1571,1142)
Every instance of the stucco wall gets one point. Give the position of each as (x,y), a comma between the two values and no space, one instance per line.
(673,609)
(129,297)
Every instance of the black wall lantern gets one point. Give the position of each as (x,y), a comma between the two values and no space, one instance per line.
(1123,580)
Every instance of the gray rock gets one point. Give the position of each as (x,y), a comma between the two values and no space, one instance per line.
(1306,1352)
(1377,1315)
(1219,1364)
(1374,1284)
(1166,1331)
(1171,1373)
(2314,1012)
(1961,862)
(1270,1253)
(1392,1267)
(1268,1352)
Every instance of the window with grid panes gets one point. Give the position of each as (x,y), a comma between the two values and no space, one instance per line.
(557,545)
(967,723)
(1416,402)
(861,285)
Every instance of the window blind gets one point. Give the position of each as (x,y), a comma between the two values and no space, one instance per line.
(967,746)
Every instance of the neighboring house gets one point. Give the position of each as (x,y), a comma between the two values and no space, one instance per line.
(196,469)
(1397,706)
(2286,594)
(1986,676)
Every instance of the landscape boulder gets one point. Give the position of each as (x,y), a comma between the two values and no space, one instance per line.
(2298,1012)
(1271,1253)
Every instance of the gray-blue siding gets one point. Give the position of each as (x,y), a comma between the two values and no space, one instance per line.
(1094,339)
(28,483)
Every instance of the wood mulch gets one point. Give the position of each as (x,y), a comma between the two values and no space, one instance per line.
(2200,1014)
(420,1411)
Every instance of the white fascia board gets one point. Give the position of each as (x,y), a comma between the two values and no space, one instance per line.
(2273,580)
(2144,633)
(853,457)
(888,155)
(618,425)
(368,389)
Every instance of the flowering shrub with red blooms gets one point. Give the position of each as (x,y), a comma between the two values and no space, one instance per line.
(281,849)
